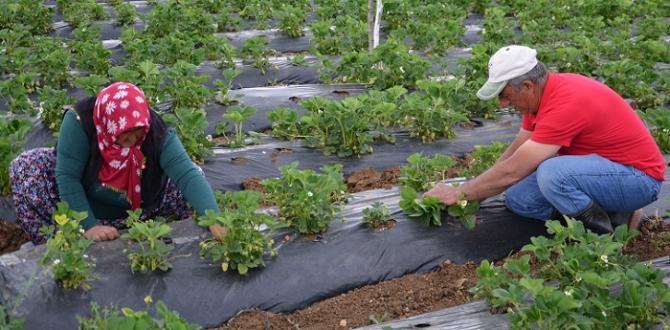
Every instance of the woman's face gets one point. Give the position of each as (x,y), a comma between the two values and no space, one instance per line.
(130,137)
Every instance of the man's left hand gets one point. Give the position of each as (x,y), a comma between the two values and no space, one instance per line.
(447,194)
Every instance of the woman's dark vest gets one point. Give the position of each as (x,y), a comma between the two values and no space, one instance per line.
(153,177)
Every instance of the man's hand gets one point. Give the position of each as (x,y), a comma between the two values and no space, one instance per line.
(447,194)
(102,233)
(218,231)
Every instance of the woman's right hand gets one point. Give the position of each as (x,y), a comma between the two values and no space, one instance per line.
(102,233)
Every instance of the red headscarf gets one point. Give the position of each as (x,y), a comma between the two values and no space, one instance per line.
(118,108)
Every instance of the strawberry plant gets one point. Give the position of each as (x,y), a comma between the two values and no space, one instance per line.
(229,22)
(81,11)
(427,210)
(225,85)
(465,210)
(12,136)
(348,34)
(336,127)
(420,171)
(390,64)
(65,250)
(284,123)
(483,158)
(26,13)
(658,120)
(583,280)
(256,51)
(190,125)
(377,215)
(51,60)
(235,115)
(125,14)
(15,91)
(185,87)
(7,322)
(243,246)
(290,20)
(92,57)
(52,103)
(91,84)
(148,234)
(307,201)
(110,318)
(432,112)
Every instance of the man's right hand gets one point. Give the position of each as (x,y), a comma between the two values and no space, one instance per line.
(102,233)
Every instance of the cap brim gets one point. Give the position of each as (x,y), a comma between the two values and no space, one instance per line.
(490,90)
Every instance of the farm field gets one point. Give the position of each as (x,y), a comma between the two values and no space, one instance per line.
(316,146)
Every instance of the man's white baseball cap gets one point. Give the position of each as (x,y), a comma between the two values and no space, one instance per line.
(507,63)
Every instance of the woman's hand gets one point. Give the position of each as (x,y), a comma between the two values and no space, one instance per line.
(447,194)
(218,231)
(102,233)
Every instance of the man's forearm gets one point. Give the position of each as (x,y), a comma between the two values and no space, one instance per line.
(492,182)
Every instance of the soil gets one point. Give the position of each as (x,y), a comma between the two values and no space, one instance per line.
(398,298)
(11,237)
(238,160)
(653,241)
(279,151)
(370,178)
(386,225)
(254,184)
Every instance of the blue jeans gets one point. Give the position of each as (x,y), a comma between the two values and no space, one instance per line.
(570,183)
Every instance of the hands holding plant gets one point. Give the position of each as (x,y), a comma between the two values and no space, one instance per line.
(447,194)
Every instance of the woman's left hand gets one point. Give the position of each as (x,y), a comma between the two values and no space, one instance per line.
(218,231)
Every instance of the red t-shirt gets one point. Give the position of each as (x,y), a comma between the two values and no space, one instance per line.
(586,117)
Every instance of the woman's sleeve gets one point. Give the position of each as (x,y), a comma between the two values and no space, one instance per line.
(187,177)
(71,158)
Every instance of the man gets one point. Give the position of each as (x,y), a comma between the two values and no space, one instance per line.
(581,151)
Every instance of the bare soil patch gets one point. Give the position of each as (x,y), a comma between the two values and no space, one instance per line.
(11,237)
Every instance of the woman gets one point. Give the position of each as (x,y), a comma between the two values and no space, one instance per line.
(114,154)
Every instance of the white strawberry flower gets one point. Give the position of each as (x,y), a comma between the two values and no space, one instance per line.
(122,122)
(111,106)
(124,104)
(56,262)
(310,194)
(115,164)
(463,203)
(120,94)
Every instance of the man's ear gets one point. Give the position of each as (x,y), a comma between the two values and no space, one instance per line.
(528,85)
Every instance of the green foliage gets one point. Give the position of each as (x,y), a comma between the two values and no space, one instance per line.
(81,12)
(7,323)
(52,103)
(390,64)
(92,57)
(434,110)
(307,201)
(29,14)
(243,246)
(421,171)
(15,90)
(583,281)
(148,234)
(65,250)
(92,84)
(257,51)
(336,127)
(465,211)
(235,115)
(483,158)
(426,210)
(12,136)
(658,120)
(377,215)
(290,20)
(190,125)
(225,85)
(51,60)
(125,14)
(284,123)
(185,87)
(229,22)
(110,319)
(348,34)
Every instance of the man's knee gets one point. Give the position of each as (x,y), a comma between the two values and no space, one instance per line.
(550,174)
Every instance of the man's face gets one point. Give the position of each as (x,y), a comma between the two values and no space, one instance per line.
(526,100)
